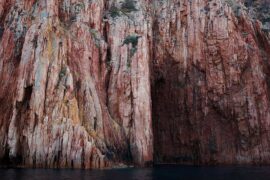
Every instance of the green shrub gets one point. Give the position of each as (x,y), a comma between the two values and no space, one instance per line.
(128,6)
(78,8)
(114,12)
(133,40)
(235,7)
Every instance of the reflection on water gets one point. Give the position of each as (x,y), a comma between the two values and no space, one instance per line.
(166,173)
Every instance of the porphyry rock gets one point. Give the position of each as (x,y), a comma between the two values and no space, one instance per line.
(103,83)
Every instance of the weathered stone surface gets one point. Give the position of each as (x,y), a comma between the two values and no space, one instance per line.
(95,84)
(210,88)
(68,98)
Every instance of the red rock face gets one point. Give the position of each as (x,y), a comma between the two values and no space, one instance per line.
(210,87)
(69,97)
(94,84)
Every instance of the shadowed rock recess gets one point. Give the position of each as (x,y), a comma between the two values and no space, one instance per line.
(105,83)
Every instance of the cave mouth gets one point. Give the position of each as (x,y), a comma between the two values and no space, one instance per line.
(172,131)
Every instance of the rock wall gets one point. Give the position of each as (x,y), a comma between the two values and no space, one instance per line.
(95,84)
(210,87)
(69,97)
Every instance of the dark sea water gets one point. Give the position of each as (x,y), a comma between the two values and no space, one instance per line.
(166,173)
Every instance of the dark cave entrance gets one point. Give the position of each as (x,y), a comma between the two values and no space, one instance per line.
(174,141)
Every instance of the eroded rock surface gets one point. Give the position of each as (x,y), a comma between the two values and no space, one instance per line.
(68,98)
(210,90)
(103,83)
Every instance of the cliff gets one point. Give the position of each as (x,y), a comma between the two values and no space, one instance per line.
(104,83)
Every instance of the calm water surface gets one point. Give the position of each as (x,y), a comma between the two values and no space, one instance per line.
(166,173)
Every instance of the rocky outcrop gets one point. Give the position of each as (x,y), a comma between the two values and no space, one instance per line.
(94,84)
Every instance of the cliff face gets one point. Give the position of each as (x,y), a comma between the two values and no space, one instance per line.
(93,84)
(68,96)
(211,87)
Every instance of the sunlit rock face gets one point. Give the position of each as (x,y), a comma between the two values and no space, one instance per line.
(105,83)
(71,93)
